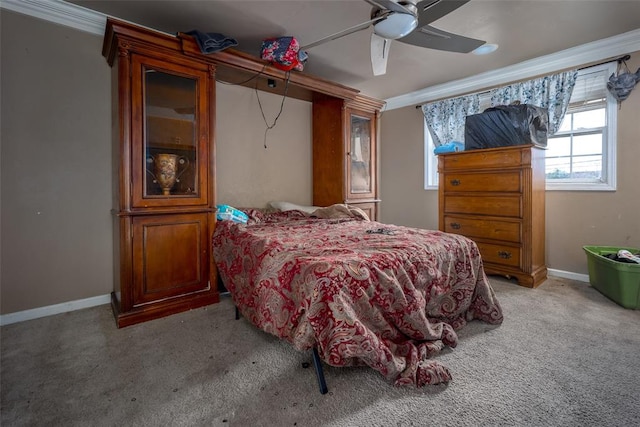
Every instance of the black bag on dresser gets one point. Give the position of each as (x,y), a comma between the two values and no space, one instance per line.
(507,125)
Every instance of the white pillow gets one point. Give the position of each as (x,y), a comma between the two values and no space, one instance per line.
(286,206)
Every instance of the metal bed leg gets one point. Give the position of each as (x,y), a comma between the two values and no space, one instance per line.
(317,363)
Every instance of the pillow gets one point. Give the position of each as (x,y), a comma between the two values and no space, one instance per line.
(286,206)
(341,211)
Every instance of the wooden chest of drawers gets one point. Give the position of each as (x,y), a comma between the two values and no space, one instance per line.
(496,197)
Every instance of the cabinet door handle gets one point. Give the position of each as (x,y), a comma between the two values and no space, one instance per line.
(455,225)
(504,254)
(455,182)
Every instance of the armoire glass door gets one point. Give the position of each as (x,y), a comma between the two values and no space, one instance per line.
(360,156)
(168,144)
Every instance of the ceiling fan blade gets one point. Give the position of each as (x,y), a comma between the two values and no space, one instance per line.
(433,38)
(432,10)
(343,33)
(379,54)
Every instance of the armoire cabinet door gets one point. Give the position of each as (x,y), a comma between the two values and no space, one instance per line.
(170,144)
(170,256)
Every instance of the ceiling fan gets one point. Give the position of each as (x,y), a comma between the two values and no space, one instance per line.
(407,21)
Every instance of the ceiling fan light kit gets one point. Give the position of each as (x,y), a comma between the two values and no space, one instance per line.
(485,49)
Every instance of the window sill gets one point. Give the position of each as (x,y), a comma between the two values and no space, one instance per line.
(579,186)
(557,186)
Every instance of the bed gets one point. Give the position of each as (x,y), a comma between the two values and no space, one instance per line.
(355,291)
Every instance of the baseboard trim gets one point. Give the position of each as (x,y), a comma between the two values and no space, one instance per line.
(50,310)
(35,313)
(568,275)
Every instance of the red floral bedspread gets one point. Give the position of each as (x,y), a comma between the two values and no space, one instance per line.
(362,292)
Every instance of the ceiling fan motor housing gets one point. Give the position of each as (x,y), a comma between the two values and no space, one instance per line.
(396,24)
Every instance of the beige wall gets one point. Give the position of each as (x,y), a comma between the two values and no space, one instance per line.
(404,200)
(574,218)
(55,153)
(247,174)
(55,165)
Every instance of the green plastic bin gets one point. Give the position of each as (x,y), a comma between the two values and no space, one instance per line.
(618,281)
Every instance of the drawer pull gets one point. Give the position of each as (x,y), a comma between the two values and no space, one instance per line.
(455,226)
(504,254)
(455,182)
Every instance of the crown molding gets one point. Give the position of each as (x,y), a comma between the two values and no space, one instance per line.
(60,12)
(574,57)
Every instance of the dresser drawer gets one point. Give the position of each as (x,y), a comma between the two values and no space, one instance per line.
(499,254)
(489,181)
(486,159)
(507,231)
(504,206)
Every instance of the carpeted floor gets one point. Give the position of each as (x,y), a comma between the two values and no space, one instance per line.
(564,356)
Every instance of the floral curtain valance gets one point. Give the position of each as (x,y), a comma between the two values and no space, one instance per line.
(446,118)
(551,92)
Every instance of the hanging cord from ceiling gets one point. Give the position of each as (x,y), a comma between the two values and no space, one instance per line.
(284,96)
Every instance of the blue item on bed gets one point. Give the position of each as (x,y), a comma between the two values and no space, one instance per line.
(226,212)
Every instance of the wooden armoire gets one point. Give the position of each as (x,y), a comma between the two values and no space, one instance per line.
(345,152)
(164,106)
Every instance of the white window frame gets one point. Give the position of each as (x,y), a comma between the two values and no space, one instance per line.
(430,161)
(608,181)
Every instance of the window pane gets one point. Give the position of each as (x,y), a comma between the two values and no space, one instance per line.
(587,167)
(587,144)
(589,119)
(558,168)
(559,147)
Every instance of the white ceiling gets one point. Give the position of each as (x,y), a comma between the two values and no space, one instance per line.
(523,29)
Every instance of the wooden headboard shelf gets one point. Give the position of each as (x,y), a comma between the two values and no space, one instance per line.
(234,66)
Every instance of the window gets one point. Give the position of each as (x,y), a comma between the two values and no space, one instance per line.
(581,155)
(430,161)
(575,151)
